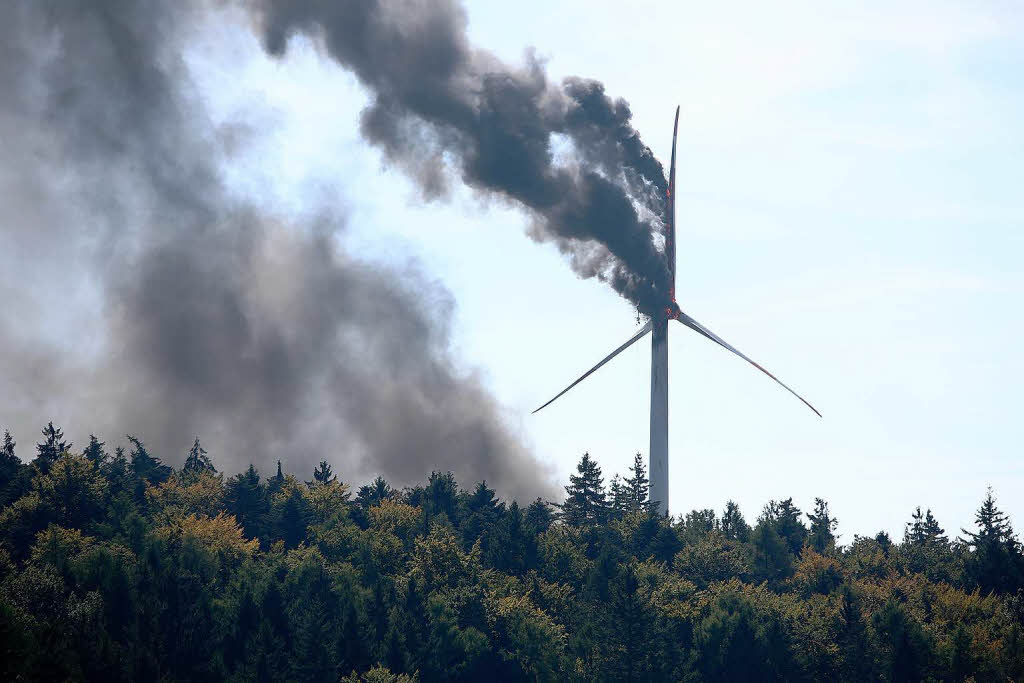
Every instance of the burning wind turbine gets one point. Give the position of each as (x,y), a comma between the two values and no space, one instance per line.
(658,323)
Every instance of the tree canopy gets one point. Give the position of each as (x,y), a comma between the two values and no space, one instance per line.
(120,567)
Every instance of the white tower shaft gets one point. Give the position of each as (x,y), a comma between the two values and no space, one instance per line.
(658,466)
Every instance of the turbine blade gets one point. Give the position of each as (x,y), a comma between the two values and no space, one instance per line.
(700,329)
(643,330)
(670,227)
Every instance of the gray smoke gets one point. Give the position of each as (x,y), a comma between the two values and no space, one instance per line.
(142,296)
(439,101)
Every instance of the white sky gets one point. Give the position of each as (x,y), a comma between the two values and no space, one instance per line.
(850,215)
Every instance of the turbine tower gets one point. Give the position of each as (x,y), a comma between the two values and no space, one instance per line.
(657,469)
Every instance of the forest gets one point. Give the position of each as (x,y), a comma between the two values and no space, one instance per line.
(116,566)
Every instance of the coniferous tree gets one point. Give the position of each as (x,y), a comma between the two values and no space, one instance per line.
(517,549)
(906,649)
(785,519)
(539,516)
(617,493)
(697,525)
(275,483)
(926,550)
(637,486)
(247,500)
(9,465)
(95,452)
(197,463)
(374,492)
(585,501)
(50,448)
(440,496)
(7,455)
(290,514)
(482,511)
(923,530)
(772,559)
(995,562)
(734,527)
(145,466)
(884,542)
(118,470)
(627,628)
(852,637)
(322,474)
(823,525)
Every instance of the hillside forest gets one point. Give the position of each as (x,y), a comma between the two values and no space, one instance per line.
(115,566)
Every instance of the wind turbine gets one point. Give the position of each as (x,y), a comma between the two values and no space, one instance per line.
(658,323)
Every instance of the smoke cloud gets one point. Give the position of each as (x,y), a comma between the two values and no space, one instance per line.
(140,295)
(439,103)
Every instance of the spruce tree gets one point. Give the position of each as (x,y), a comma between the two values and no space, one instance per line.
(197,463)
(733,525)
(637,486)
(585,501)
(823,525)
(15,478)
(619,503)
(275,483)
(373,493)
(50,448)
(995,562)
(539,516)
(95,452)
(785,519)
(247,500)
(924,531)
(145,466)
(322,474)
(9,462)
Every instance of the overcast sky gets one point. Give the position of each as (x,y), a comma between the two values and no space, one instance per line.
(849,215)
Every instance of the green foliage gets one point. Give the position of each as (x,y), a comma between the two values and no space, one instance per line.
(585,497)
(50,448)
(197,463)
(121,568)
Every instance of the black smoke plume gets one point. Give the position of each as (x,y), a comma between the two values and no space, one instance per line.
(139,294)
(440,103)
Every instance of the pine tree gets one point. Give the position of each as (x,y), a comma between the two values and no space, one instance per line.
(95,452)
(924,531)
(585,501)
(733,526)
(637,486)
(275,483)
(8,460)
(785,519)
(539,516)
(15,478)
(197,463)
(772,560)
(50,448)
(322,474)
(823,525)
(996,562)
(517,550)
(373,493)
(440,497)
(619,503)
(482,511)
(697,525)
(247,500)
(145,466)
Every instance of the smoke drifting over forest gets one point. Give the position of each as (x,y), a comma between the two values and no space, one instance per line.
(207,314)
